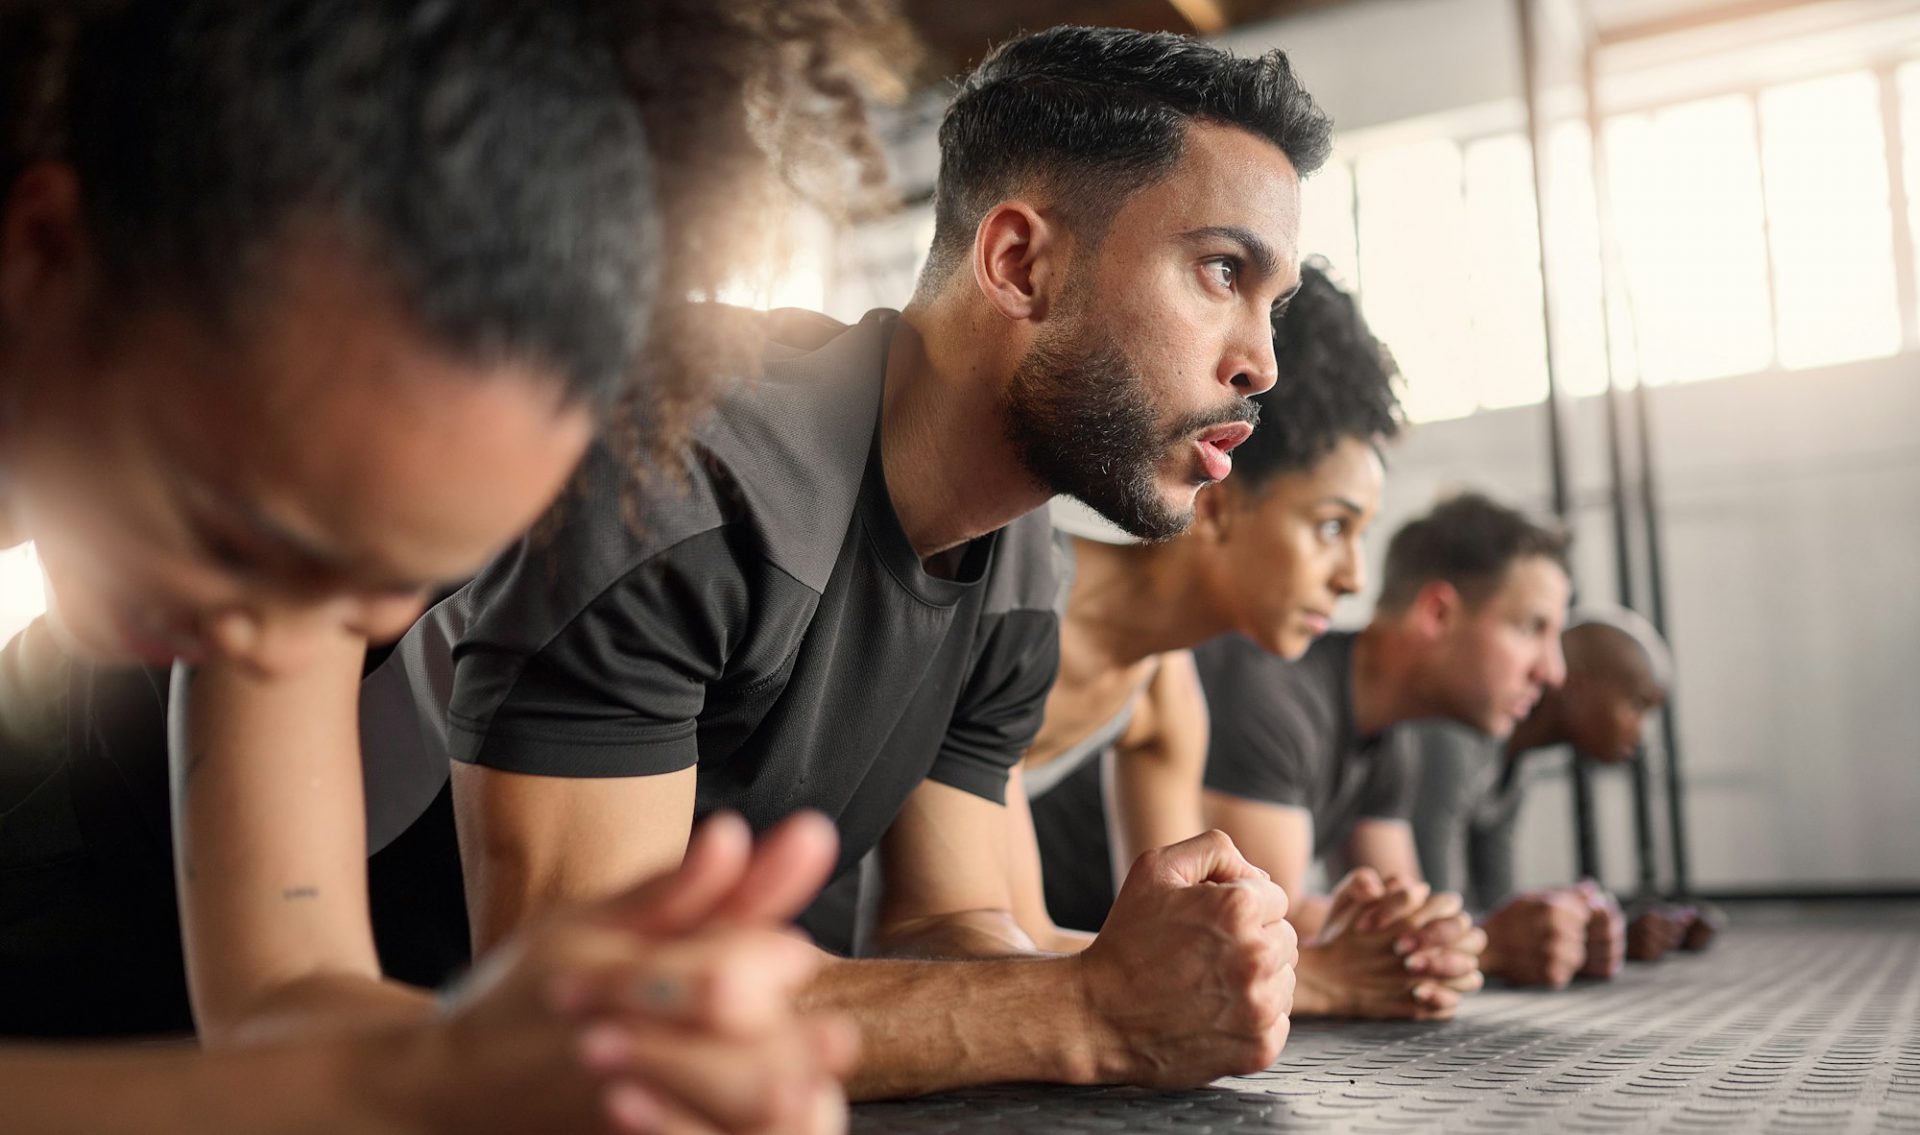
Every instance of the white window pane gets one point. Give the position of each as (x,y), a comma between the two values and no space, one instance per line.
(1910,144)
(792,273)
(1823,148)
(23,593)
(1686,192)
(1573,262)
(1509,347)
(878,262)
(1413,257)
(1326,221)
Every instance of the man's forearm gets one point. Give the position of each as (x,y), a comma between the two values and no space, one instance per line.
(928,1026)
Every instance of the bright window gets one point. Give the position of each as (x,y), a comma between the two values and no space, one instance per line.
(1326,221)
(1507,360)
(1573,242)
(1414,257)
(1830,224)
(1687,199)
(1910,145)
(1449,251)
(23,594)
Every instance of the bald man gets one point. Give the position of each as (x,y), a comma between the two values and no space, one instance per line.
(1471,787)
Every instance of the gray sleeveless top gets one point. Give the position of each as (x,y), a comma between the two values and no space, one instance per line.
(1047,777)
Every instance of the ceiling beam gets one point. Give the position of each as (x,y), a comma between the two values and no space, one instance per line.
(1677,22)
(1205,17)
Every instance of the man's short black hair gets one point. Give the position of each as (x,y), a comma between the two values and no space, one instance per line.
(1469,541)
(1336,382)
(1093,115)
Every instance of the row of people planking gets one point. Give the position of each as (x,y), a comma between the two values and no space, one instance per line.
(354,367)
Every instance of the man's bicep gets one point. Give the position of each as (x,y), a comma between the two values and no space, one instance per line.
(528,843)
(946,854)
(1026,881)
(1277,838)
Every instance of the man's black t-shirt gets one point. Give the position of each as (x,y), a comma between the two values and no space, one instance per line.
(1283,733)
(1467,811)
(766,620)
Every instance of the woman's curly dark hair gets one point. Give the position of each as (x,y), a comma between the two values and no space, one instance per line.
(757,106)
(554,180)
(1336,382)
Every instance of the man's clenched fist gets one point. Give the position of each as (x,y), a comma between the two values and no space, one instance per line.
(1192,975)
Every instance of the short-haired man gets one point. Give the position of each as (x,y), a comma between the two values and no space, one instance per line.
(1305,760)
(1470,788)
(849,603)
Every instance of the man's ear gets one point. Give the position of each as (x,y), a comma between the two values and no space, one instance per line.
(1437,608)
(1018,260)
(46,261)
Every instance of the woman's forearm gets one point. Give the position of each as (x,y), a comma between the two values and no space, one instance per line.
(323,1005)
(341,1084)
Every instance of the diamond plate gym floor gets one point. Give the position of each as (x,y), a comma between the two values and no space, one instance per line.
(1794,1021)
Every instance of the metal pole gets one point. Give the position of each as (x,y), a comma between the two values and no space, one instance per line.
(1536,131)
(1643,844)
(1657,594)
(1649,877)
(1586,845)
(1585,841)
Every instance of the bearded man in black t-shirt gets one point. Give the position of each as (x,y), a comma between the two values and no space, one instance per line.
(844,599)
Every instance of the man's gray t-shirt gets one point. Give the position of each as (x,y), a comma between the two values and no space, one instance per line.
(1283,733)
(1466,806)
(765,620)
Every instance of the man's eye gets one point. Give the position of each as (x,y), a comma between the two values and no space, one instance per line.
(1222,272)
(1331,530)
(227,554)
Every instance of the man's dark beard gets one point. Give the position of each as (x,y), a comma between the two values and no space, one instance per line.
(1079,416)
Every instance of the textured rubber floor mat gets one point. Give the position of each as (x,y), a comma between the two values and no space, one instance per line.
(1776,1029)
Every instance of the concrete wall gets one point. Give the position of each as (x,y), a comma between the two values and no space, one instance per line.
(1791,523)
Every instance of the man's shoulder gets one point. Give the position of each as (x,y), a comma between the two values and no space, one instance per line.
(1439,742)
(790,447)
(819,386)
(770,478)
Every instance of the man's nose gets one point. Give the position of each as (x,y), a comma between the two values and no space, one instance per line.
(1250,367)
(1553,667)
